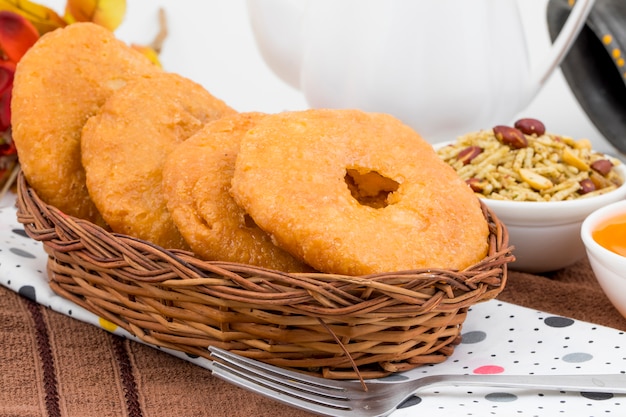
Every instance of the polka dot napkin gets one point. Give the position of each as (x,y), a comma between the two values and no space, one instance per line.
(498,338)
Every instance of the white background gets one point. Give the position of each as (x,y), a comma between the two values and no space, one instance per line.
(210,41)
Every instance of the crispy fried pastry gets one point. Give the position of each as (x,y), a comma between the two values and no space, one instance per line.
(125,144)
(196,185)
(60,82)
(356,193)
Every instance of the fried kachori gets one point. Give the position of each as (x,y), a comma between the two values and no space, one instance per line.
(124,147)
(196,185)
(59,83)
(355,193)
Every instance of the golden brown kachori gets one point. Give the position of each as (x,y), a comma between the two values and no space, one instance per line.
(355,193)
(60,82)
(125,144)
(196,185)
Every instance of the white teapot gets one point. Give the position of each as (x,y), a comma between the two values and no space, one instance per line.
(445,67)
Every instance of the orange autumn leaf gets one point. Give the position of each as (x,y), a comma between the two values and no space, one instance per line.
(17,35)
(42,17)
(106,13)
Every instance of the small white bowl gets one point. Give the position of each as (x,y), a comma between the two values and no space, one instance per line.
(546,234)
(608,266)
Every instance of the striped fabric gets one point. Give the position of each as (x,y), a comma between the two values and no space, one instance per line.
(52,365)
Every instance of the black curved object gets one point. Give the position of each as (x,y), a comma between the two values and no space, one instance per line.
(595,66)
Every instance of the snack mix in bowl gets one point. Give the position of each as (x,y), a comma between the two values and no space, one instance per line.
(541,185)
(524,163)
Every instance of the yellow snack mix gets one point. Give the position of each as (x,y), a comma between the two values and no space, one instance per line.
(511,163)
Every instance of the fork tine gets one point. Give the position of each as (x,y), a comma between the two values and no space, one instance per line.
(286,386)
(280,392)
(329,388)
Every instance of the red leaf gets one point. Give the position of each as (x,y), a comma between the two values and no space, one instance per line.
(7,70)
(5,110)
(17,34)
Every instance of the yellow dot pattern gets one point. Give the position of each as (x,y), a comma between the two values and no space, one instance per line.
(107,325)
(616,53)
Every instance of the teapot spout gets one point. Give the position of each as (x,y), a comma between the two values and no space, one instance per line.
(276,25)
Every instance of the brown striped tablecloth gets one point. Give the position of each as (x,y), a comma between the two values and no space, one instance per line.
(53,365)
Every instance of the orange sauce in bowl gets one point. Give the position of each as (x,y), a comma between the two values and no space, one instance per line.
(612,234)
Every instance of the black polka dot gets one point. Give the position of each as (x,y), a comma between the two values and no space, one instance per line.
(20,232)
(597,395)
(22,253)
(473,337)
(501,397)
(555,321)
(28,291)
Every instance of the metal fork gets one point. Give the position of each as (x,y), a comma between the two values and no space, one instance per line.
(349,399)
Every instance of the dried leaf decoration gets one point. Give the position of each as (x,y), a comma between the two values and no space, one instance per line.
(153,50)
(42,17)
(107,13)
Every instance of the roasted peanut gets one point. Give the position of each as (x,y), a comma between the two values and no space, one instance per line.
(586,186)
(468,154)
(530,126)
(475,184)
(510,136)
(602,166)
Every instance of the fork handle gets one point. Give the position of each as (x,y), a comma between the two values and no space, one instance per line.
(607,383)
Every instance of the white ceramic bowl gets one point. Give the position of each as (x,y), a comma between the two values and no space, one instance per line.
(546,235)
(609,267)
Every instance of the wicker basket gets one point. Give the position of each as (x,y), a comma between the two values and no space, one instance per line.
(334,326)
